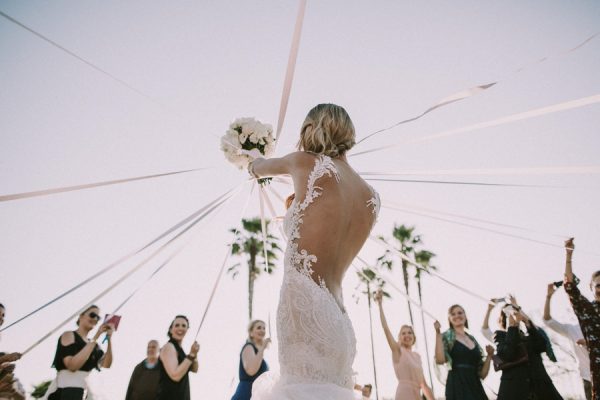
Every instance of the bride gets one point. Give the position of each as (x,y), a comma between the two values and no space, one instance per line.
(327,224)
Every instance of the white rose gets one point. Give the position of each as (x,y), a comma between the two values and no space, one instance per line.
(242,137)
(247,129)
(253,138)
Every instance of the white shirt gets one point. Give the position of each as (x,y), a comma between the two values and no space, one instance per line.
(488,334)
(573,333)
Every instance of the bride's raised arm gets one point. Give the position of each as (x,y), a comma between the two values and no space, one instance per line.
(267,167)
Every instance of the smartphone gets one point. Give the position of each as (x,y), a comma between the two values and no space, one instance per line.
(113,320)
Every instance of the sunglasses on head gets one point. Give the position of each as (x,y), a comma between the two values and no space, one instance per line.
(94,316)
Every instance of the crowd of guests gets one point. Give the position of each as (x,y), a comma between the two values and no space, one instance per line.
(515,350)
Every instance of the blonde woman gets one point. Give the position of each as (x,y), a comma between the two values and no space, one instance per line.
(252,361)
(407,363)
(330,218)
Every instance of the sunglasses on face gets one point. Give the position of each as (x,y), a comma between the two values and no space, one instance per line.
(95,316)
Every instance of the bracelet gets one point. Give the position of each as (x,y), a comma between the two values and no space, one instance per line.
(251,170)
(191,358)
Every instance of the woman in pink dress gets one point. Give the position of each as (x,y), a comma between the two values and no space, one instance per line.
(407,363)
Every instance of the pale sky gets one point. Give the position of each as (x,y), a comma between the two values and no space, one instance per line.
(205,64)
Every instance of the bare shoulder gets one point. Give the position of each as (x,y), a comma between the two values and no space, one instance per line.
(301,159)
(167,349)
(67,338)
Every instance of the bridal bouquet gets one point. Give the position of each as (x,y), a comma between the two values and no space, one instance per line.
(245,135)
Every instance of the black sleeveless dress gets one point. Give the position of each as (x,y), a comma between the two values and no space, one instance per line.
(59,364)
(168,389)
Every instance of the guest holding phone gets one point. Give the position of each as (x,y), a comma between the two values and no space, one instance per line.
(575,335)
(76,356)
(175,365)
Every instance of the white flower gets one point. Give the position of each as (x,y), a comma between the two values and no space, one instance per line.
(254,138)
(242,137)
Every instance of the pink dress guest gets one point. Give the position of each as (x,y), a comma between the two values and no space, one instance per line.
(409,372)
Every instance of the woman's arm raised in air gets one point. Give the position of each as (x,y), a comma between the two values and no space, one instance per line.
(396,351)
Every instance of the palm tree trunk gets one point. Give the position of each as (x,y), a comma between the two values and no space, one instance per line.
(372,344)
(405,275)
(424,333)
(251,277)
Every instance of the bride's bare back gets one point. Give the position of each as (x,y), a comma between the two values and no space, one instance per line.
(335,225)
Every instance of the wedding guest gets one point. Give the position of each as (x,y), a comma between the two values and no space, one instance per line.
(252,362)
(175,365)
(459,350)
(523,373)
(76,356)
(407,363)
(575,335)
(486,331)
(143,384)
(10,387)
(588,314)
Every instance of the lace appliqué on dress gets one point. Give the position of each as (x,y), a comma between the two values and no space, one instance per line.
(316,338)
(300,259)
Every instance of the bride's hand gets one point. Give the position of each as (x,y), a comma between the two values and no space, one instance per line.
(254,153)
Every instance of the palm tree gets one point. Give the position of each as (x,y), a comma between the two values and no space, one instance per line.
(407,242)
(423,258)
(370,279)
(250,242)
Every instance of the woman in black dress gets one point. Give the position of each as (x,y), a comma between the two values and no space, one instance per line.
(175,365)
(463,356)
(252,362)
(527,379)
(76,356)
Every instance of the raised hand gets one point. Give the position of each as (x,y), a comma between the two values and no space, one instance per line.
(437,326)
(266,343)
(195,349)
(489,349)
(551,289)
(11,357)
(378,296)
(569,245)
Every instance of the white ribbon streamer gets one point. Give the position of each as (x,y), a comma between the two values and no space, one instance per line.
(417,265)
(47,192)
(537,112)
(291,67)
(463,94)
(563,170)
(220,274)
(122,278)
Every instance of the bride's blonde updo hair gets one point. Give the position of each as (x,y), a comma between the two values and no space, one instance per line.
(327,130)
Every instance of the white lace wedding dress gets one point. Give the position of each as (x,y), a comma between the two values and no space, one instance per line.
(316,339)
